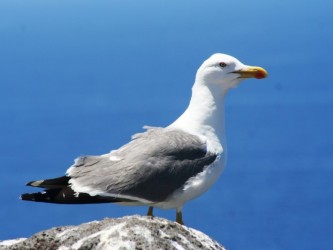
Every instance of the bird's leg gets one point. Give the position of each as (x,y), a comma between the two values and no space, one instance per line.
(179,216)
(150,211)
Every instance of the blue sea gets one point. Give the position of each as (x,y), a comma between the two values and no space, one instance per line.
(80,77)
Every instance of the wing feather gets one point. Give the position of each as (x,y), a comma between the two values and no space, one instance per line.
(151,167)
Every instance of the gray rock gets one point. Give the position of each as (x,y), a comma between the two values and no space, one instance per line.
(131,232)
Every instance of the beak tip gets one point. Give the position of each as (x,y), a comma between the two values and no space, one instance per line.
(252,72)
(260,74)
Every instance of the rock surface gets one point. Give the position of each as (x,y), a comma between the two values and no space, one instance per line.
(131,232)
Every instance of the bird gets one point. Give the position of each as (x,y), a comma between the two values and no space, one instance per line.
(163,167)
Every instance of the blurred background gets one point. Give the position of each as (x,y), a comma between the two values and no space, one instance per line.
(80,77)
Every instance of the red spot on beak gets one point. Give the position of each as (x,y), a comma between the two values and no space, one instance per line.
(260,74)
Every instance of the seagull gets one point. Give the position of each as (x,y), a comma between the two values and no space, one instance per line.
(161,167)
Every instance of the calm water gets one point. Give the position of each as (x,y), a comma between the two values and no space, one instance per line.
(80,77)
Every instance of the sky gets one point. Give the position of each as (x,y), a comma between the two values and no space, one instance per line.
(80,77)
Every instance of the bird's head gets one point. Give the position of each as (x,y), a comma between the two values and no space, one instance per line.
(226,72)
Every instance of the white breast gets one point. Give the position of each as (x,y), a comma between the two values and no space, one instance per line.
(196,185)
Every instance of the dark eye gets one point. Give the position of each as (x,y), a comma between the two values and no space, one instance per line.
(222,64)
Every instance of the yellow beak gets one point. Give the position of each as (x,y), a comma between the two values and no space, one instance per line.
(252,72)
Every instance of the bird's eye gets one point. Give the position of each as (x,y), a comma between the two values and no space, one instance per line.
(222,64)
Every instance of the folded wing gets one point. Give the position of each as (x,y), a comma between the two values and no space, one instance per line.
(148,169)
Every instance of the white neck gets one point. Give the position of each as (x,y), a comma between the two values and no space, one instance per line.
(204,116)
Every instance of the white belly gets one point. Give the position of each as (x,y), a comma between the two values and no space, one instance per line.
(195,186)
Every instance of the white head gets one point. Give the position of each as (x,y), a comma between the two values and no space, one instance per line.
(225,72)
(205,113)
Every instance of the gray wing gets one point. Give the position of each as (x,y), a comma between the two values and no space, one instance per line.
(151,167)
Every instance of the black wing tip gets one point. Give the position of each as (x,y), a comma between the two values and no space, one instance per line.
(68,196)
(35,183)
(38,197)
(59,182)
(27,197)
(29,183)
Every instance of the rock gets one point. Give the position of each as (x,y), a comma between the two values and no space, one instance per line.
(131,232)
